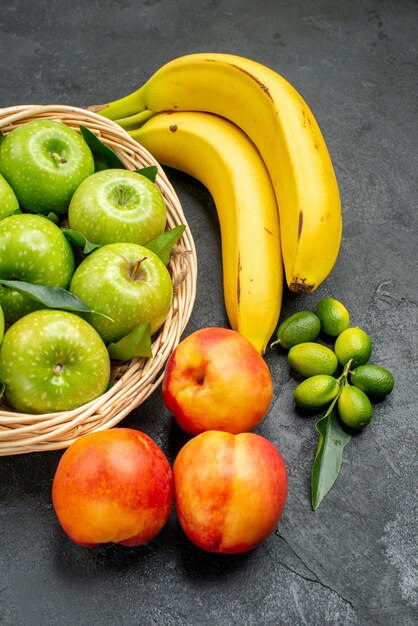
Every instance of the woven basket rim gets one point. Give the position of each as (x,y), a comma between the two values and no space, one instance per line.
(136,380)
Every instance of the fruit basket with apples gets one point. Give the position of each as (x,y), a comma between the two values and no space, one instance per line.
(132,381)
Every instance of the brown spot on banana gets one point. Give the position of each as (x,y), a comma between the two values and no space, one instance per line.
(307,122)
(173,128)
(254,78)
(299,285)
(300,224)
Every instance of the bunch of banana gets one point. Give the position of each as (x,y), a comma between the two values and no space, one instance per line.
(221,156)
(281,132)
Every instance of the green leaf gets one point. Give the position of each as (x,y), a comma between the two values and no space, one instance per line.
(78,239)
(53,217)
(104,157)
(135,344)
(1,136)
(149,172)
(51,297)
(327,464)
(2,388)
(164,243)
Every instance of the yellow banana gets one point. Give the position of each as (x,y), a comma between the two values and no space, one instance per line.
(220,156)
(278,121)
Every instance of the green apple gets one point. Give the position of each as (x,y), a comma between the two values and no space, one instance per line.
(1,325)
(8,200)
(44,161)
(117,205)
(35,250)
(127,282)
(52,361)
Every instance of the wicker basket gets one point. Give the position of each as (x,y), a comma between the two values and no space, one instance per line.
(134,381)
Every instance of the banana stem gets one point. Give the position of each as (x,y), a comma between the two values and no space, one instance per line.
(135,134)
(135,121)
(124,107)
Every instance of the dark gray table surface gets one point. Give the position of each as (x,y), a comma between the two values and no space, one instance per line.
(354,560)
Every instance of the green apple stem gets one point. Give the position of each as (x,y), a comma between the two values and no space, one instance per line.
(57,157)
(135,272)
(121,199)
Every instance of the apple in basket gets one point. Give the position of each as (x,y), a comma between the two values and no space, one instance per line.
(116,205)
(51,361)
(1,325)
(32,249)
(44,161)
(126,282)
(8,200)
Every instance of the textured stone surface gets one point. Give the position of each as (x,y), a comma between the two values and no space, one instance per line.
(354,560)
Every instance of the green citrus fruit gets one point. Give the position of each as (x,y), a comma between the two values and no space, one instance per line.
(375,381)
(298,328)
(310,359)
(353,343)
(354,407)
(333,316)
(316,391)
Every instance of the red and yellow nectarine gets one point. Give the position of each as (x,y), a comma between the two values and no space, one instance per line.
(216,380)
(113,486)
(230,490)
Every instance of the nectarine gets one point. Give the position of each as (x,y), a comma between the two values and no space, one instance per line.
(230,490)
(216,380)
(113,486)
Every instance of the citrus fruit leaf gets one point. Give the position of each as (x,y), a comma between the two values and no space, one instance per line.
(163,244)
(135,344)
(104,157)
(78,239)
(51,297)
(327,464)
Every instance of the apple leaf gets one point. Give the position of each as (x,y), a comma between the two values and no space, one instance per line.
(51,297)
(163,244)
(78,239)
(136,344)
(149,172)
(104,157)
(53,217)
